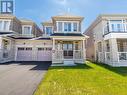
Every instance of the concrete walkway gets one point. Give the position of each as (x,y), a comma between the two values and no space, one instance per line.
(21,78)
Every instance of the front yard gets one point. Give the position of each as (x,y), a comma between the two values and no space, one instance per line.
(89,79)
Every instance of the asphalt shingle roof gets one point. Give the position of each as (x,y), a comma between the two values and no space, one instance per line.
(67,34)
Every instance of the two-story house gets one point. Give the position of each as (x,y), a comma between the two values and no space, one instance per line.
(12,32)
(68,42)
(61,41)
(108,40)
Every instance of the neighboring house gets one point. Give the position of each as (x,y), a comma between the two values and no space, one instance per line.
(108,40)
(60,42)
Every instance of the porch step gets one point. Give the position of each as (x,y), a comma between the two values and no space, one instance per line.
(69,63)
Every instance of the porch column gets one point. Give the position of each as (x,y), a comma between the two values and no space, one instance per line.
(53,44)
(1,52)
(84,50)
(113,50)
(73,50)
(53,51)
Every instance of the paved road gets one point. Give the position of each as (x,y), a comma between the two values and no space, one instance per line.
(21,78)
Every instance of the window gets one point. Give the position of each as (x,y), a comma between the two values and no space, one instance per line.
(100,47)
(48,49)
(75,27)
(64,46)
(122,45)
(20,49)
(59,26)
(26,30)
(6,25)
(48,31)
(70,46)
(40,49)
(0,25)
(29,48)
(107,46)
(67,26)
(6,44)
(116,25)
(76,46)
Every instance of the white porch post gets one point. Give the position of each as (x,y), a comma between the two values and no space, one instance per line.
(73,50)
(53,44)
(0,43)
(114,51)
(84,50)
(53,51)
(1,52)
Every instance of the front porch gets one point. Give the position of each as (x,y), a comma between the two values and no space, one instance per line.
(68,52)
(6,49)
(116,52)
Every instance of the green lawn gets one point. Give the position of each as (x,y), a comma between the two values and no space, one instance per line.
(89,79)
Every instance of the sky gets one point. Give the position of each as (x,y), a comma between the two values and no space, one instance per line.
(42,10)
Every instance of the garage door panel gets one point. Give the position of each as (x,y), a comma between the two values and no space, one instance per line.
(44,54)
(24,54)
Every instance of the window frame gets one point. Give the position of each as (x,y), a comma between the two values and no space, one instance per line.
(3,23)
(67,30)
(116,22)
(58,26)
(46,30)
(23,27)
(74,27)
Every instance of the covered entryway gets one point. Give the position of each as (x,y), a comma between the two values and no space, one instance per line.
(68,50)
(44,54)
(24,54)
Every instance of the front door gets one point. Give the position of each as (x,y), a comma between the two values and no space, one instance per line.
(68,50)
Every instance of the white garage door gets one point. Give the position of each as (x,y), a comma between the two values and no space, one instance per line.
(24,54)
(44,54)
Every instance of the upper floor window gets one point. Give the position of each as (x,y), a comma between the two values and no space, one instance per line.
(27,30)
(116,25)
(48,31)
(60,26)
(0,24)
(4,25)
(75,26)
(67,26)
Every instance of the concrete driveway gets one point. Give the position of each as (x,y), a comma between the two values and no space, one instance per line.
(21,78)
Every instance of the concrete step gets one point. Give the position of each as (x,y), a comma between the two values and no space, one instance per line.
(69,63)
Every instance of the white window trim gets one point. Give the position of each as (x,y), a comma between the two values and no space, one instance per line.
(122,23)
(2,29)
(23,29)
(72,31)
(45,29)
